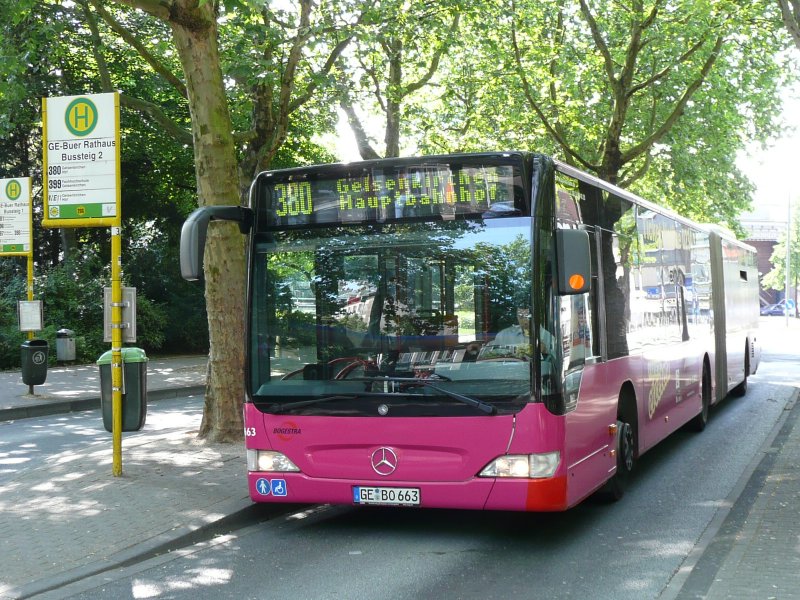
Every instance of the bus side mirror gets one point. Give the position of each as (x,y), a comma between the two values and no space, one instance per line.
(193,235)
(574,261)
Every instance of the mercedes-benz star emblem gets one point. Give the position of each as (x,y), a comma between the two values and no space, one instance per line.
(384,461)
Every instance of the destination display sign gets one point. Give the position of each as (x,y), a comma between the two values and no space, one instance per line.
(81,161)
(353,194)
(15,216)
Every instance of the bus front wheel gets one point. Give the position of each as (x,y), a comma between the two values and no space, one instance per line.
(615,487)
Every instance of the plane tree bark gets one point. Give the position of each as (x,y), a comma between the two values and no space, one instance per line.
(790,13)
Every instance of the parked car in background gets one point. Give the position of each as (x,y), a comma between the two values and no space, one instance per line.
(772,310)
(778,309)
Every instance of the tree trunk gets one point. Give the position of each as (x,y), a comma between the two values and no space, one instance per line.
(195,35)
(69,242)
(393,98)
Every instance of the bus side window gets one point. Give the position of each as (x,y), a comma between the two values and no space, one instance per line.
(619,249)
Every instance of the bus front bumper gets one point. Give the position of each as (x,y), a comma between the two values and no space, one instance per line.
(541,495)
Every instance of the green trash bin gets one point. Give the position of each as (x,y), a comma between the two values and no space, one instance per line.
(34,361)
(134,389)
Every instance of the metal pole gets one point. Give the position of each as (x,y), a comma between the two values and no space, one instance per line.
(30,263)
(788,260)
(116,348)
(30,285)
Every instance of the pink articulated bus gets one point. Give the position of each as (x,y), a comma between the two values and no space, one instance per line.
(492,331)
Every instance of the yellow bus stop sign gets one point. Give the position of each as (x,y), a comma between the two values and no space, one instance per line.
(16,226)
(81,161)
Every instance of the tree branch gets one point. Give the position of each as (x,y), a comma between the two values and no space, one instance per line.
(376,83)
(158,8)
(159,116)
(293,60)
(629,177)
(790,12)
(647,143)
(193,16)
(326,68)
(365,149)
(667,70)
(131,39)
(97,44)
(599,42)
(553,131)
(437,56)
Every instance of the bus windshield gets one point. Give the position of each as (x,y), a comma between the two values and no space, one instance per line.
(425,318)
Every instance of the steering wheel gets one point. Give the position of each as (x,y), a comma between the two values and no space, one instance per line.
(350,364)
(353,363)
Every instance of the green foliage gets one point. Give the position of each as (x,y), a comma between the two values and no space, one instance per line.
(530,74)
(396,55)
(170,312)
(177,318)
(659,98)
(12,288)
(776,278)
(509,269)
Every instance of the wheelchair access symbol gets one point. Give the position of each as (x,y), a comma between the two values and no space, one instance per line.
(278,487)
(275,487)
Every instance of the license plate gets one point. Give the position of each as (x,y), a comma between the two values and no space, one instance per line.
(386,496)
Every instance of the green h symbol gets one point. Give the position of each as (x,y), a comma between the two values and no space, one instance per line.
(13,189)
(81,117)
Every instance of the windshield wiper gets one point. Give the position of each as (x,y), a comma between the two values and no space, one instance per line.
(302,403)
(481,405)
(280,407)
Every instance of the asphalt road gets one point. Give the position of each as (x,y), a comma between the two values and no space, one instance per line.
(630,549)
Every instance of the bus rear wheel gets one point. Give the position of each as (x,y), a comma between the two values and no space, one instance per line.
(699,423)
(741,389)
(614,489)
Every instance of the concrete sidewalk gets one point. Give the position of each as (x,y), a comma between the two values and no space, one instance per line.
(751,549)
(70,388)
(67,517)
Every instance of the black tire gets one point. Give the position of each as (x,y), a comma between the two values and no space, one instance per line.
(699,423)
(741,389)
(614,489)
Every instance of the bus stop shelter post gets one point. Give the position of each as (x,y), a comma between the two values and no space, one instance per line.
(116,349)
(30,298)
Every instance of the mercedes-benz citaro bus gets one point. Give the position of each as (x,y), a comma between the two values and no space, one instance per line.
(479,331)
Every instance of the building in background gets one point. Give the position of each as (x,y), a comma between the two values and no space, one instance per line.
(763,235)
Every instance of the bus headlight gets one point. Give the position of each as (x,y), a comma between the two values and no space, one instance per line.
(529,466)
(268,460)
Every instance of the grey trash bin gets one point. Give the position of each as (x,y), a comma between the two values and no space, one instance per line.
(134,386)
(65,345)
(34,361)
